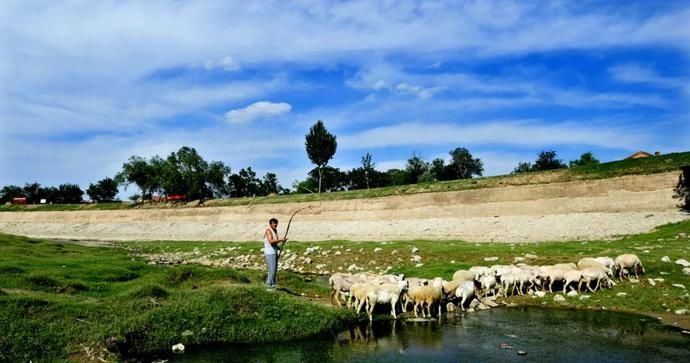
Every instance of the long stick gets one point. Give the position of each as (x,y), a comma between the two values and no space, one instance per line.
(287,230)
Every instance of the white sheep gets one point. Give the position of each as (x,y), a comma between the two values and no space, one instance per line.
(571,276)
(488,284)
(590,274)
(386,293)
(466,290)
(464,275)
(529,277)
(340,284)
(556,273)
(480,271)
(426,296)
(626,262)
(359,293)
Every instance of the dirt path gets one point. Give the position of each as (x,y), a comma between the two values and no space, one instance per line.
(559,211)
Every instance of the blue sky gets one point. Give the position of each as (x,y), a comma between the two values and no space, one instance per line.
(87,84)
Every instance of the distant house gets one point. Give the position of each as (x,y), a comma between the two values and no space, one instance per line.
(642,154)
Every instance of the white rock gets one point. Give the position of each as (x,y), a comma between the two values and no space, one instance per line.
(622,294)
(659,279)
(683,262)
(321,266)
(529,255)
(450,307)
(540,293)
(634,281)
(651,282)
(686,271)
(417,258)
(490,259)
(572,293)
(559,298)
(665,259)
(584,297)
(338,253)
(348,250)
(663,273)
(178,348)
(308,260)
(415,249)
(377,249)
(519,259)
(681,311)
(419,265)
(352,267)
(394,252)
(680,286)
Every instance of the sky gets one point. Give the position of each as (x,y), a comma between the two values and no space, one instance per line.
(86,84)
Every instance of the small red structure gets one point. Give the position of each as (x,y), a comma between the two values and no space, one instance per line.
(19,200)
(175,197)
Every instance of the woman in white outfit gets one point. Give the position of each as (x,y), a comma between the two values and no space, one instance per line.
(271,248)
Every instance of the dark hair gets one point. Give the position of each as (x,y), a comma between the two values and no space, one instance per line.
(272,220)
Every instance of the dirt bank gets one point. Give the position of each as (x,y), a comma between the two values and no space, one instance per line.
(558,211)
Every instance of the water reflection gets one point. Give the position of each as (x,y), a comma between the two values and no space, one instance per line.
(546,335)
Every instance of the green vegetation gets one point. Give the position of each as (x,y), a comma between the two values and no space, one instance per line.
(651,165)
(60,300)
(321,146)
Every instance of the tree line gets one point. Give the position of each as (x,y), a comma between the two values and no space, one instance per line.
(185,175)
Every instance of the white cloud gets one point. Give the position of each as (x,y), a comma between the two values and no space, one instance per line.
(226,63)
(257,111)
(635,73)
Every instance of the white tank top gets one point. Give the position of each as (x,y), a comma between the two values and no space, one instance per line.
(268,248)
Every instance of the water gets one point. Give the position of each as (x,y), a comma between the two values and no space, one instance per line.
(545,334)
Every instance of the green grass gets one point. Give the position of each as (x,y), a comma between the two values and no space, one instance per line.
(651,165)
(55,297)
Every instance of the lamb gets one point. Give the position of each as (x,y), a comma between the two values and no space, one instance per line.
(340,284)
(628,261)
(509,283)
(450,287)
(488,284)
(480,271)
(360,292)
(570,277)
(426,296)
(464,275)
(589,262)
(523,277)
(466,290)
(556,273)
(607,262)
(590,274)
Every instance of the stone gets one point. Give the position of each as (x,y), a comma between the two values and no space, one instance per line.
(474,303)
(622,294)
(572,293)
(394,252)
(450,307)
(683,262)
(584,297)
(419,265)
(519,259)
(530,256)
(521,352)
(681,312)
(377,249)
(308,260)
(415,249)
(489,302)
(686,271)
(665,259)
(187,333)
(490,259)
(659,279)
(680,286)
(559,298)
(634,281)
(321,266)
(482,307)
(540,293)
(178,348)
(417,258)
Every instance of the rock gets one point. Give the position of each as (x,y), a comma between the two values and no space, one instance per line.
(663,273)
(622,294)
(308,260)
(584,297)
(521,352)
(348,250)
(489,302)
(659,279)
(519,259)
(683,262)
(540,293)
(686,271)
(450,307)
(681,312)
(490,259)
(415,249)
(417,258)
(474,304)
(680,286)
(178,348)
(187,333)
(419,265)
(352,267)
(665,259)
(394,252)
(634,281)
(506,346)
(530,256)
(572,293)
(482,307)
(377,249)
(559,298)
(321,266)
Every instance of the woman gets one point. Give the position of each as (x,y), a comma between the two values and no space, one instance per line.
(271,248)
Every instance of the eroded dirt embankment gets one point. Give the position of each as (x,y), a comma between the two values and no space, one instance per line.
(590,209)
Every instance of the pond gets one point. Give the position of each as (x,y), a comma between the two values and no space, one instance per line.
(490,335)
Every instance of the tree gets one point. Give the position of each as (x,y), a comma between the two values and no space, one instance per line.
(332,179)
(245,183)
(522,167)
(321,146)
(10,191)
(585,159)
(32,192)
(193,169)
(69,193)
(269,184)
(416,167)
(138,171)
(104,190)
(548,160)
(463,165)
(396,177)
(218,179)
(438,169)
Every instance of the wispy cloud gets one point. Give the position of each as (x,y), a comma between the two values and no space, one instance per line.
(256,111)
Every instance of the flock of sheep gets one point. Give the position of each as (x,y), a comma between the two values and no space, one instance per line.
(368,289)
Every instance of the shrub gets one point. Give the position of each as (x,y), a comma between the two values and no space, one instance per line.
(151,291)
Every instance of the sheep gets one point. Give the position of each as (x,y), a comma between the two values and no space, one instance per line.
(527,276)
(340,283)
(386,293)
(570,277)
(488,284)
(426,295)
(509,283)
(556,273)
(625,262)
(590,274)
(589,262)
(464,275)
(479,271)
(465,290)
(450,287)
(360,292)
(607,262)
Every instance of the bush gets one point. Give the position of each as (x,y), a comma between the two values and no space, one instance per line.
(151,291)
(179,275)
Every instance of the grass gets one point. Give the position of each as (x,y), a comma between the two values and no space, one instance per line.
(444,258)
(58,301)
(651,165)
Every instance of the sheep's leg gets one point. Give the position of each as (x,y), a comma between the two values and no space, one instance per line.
(636,268)
(462,302)
(565,285)
(393,303)
(361,303)
(589,282)
(403,302)
(597,285)
(550,285)
(416,304)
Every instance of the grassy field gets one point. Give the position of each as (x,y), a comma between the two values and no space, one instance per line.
(444,258)
(61,301)
(657,164)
